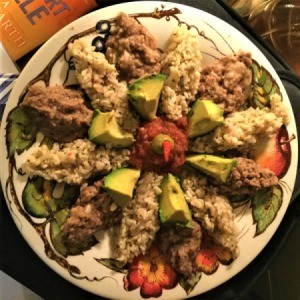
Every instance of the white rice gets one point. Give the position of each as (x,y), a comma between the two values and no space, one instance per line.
(212,211)
(182,63)
(242,130)
(99,80)
(140,220)
(279,109)
(74,162)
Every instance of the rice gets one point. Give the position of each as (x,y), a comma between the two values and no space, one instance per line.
(242,130)
(139,219)
(212,211)
(74,162)
(96,76)
(99,80)
(203,144)
(279,109)
(181,62)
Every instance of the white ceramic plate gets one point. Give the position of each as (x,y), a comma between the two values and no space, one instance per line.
(217,39)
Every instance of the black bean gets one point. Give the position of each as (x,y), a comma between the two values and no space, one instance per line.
(103,26)
(99,44)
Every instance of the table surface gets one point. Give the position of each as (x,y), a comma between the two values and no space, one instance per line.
(273,275)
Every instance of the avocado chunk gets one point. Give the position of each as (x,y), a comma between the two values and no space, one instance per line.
(104,129)
(214,166)
(144,95)
(120,184)
(172,205)
(204,117)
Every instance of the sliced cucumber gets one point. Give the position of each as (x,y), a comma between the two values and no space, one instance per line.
(56,237)
(55,231)
(38,200)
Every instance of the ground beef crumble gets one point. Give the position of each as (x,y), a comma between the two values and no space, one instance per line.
(227,81)
(58,112)
(92,211)
(248,177)
(132,48)
(181,245)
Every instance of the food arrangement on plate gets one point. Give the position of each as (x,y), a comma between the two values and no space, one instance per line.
(152,147)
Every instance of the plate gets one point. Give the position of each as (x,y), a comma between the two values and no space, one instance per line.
(93,271)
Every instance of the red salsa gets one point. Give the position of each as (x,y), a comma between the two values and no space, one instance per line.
(144,157)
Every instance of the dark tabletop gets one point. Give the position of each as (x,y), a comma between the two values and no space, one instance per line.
(273,275)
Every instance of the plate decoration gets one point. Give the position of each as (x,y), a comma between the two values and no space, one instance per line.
(48,203)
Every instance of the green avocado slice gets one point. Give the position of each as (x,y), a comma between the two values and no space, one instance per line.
(214,166)
(204,117)
(104,129)
(120,184)
(172,204)
(144,95)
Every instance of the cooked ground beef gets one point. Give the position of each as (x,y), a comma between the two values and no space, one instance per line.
(59,113)
(132,49)
(227,81)
(93,210)
(181,245)
(248,177)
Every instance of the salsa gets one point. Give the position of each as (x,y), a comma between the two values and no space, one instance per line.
(144,157)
